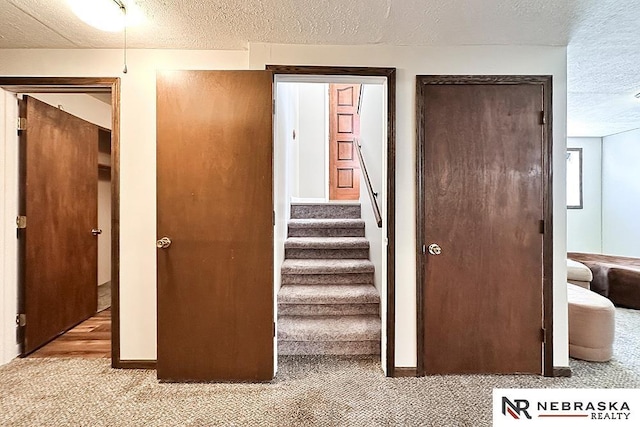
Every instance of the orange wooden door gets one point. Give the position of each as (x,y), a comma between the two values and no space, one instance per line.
(59,196)
(482,296)
(344,129)
(215,203)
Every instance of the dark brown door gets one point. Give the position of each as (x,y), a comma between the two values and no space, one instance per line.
(215,203)
(481,203)
(344,129)
(59,195)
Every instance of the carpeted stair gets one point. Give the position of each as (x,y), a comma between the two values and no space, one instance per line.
(327,303)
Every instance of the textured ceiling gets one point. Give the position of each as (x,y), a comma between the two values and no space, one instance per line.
(603,40)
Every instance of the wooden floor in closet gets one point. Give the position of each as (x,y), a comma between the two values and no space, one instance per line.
(90,339)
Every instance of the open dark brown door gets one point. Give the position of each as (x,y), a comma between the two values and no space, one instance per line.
(215,204)
(481,163)
(344,129)
(58,195)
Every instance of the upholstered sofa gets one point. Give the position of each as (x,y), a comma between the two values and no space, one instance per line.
(578,274)
(591,325)
(615,277)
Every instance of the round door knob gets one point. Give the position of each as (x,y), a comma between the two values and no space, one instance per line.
(96,231)
(163,243)
(435,249)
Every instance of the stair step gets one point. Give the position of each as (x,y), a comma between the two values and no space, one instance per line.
(342,348)
(326,228)
(326,223)
(325,210)
(326,243)
(329,328)
(328,309)
(361,279)
(326,247)
(328,294)
(328,300)
(327,266)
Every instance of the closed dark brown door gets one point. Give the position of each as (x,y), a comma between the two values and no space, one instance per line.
(481,203)
(215,204)
(59,185)
(344,129)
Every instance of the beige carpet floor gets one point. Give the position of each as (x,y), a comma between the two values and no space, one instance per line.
(308,391)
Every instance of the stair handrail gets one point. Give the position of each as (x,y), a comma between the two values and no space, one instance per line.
(372,194)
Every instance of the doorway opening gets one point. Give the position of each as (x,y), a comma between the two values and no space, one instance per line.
(63,171)
(333,194)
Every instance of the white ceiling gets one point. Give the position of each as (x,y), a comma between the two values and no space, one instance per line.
(603,37)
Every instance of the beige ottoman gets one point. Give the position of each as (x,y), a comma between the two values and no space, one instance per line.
(579,274)
(591,325)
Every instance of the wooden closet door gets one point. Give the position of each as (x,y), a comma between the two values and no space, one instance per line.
(59,196)
(482,204)
(215,204)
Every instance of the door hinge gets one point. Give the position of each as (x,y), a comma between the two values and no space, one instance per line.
(21,221)
(542,226)
(274,329)
(543,335)
(274,217)
(273,106)
(21,319)
(543,119)
(424,249)
(22,123)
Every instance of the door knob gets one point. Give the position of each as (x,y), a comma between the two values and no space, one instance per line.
(435,249)
(96,231)
(163,243)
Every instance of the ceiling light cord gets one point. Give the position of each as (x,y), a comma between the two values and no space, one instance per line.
(124,18)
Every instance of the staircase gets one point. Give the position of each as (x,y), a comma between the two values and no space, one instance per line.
(327,303)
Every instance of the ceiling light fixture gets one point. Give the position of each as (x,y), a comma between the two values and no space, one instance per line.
(108,15)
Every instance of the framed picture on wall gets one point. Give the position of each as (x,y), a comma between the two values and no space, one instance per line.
(574,178)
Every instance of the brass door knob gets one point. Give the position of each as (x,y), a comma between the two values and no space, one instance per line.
(163,243)
(435,249)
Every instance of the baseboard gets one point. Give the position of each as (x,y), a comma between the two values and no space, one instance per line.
(405,372)
(134,364)
(562,371)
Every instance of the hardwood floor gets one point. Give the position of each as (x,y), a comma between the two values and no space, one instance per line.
(90,339)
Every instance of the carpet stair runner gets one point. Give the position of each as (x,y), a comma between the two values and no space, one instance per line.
(327,303)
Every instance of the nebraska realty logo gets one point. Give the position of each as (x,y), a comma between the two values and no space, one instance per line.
(571,407)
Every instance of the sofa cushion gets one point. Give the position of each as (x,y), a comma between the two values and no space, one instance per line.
(578,271)
(591,325)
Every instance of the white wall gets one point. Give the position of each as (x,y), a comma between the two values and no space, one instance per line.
(80,105)
(104,224)
(284,156)
(410,61)
(312,139)
(372,138)
(373,131)
(584,226)
(138,148)
(8,212)
(621,194)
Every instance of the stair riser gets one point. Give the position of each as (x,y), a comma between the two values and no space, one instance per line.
(327,309)
(326,253)
(327,279)
(326,232)
(325,211)
(328,347)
